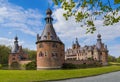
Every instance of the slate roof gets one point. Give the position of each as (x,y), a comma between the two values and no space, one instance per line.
(48,33)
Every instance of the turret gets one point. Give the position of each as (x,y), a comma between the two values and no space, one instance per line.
(16,46)
(50,49)
(99,42)
(76,44)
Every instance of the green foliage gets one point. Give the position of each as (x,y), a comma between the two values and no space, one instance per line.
(116,1)
(43,75)
(73,66)
(4,53)
(87,11)
(31,66)
(0,66)
(118,59)
(31,54)
(15,65)
(69,66)
(111,58)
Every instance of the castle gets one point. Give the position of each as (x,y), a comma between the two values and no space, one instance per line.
(98,52)
(51,53)
(17,55)
(50,49)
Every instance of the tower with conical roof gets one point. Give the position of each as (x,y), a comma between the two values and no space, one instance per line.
(50,49)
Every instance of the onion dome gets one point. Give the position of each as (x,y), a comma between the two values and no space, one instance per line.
(49,11)
(99,35)
(16,38)
(15,46)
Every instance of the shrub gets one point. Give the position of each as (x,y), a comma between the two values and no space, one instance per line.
(31,66)
(68,66)
(84,65)
(0,66)
(15,65)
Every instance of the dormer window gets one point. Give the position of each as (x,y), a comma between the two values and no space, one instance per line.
(45,37)
(52,37)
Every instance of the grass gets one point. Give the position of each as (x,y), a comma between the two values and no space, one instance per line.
(44,75)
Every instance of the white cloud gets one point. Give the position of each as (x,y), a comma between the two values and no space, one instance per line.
(9,42)
(12,16)
(69,30)
(114,50)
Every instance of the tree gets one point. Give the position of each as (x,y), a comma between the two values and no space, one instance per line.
(4,53)
(15,65)
(31,53)
(118,59)
(31,66)
(111,58)
(87,11)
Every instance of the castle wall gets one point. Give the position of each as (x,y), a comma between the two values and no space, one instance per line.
(50,55)
(78,62)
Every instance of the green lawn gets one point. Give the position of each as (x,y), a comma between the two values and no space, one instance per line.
(34,75)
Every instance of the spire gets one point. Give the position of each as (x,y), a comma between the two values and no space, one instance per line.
(48,18)
(15,46)
(77,40)
(16,38)
(48,33)
(77,43)
(99,42)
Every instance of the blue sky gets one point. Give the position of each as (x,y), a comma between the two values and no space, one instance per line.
(25,18)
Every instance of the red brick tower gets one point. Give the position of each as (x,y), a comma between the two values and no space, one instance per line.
(50,49)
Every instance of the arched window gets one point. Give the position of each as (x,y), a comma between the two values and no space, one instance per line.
(41,54)
(46,53)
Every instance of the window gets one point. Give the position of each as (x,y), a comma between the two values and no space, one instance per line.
(45,37)
(41,45)
(54,55)
(46,53)
(52,37)
(13,58)
(41,54)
